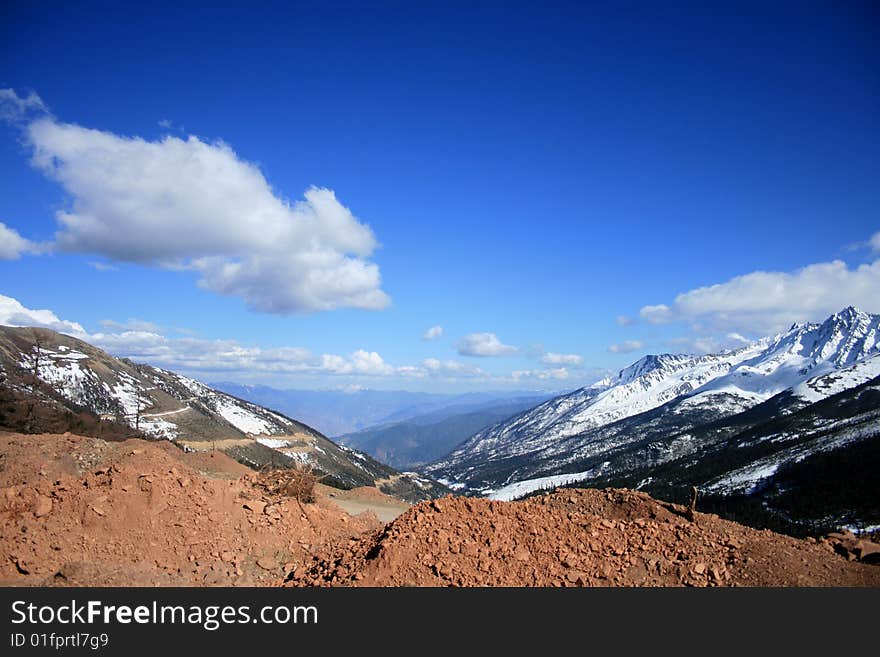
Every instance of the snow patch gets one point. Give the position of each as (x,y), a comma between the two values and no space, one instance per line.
(274,443)
(520,488)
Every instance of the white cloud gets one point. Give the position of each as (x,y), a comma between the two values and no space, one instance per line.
(13,245)
(626,346)
(191,204)
(143,341)
(874,242)
(483,344)
(558,374)
(167,124)
(623,320)
(707,344)
(763,302)
(451,368)
(433,333)
(12,313)
(14,108)
(659,314)
(572,360)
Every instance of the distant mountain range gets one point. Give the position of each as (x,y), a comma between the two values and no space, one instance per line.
(736,423)
(413,442)
(58,369)
(338,412)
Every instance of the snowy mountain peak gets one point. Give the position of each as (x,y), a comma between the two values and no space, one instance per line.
(842,339)
(713,385)
(648,364)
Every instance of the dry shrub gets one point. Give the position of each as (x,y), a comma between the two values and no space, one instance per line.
(297,482)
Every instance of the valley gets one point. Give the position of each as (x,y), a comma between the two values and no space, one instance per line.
(119,473)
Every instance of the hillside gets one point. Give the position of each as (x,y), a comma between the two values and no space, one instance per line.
(166,405)
(78,511)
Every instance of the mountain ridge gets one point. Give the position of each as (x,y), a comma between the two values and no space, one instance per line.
(662,408)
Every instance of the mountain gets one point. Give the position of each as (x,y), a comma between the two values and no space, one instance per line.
(671,408)
(165,405)
(338,412)
(425,438)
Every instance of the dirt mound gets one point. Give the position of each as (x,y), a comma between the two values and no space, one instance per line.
(82,511)
(578,538)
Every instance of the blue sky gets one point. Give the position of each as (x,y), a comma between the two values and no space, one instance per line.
(296,194)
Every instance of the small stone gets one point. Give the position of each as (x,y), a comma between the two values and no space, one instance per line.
(700,568)
(98,511)
(257,506)
(522,554)
(576,577)
(43,507)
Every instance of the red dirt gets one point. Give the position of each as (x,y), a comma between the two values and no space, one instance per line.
(82,511)
(578,538)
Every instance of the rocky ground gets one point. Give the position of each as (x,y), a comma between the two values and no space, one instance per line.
(584,538)
(82,511)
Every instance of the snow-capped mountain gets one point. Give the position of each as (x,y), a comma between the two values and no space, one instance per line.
(586,434)
(166,405)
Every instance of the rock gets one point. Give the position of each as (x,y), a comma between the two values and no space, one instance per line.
(844,535)
(577,577)
(98,511)
(267,563)
(867,551)
(522,554)
(43,507)
(257,506)
(700,568)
